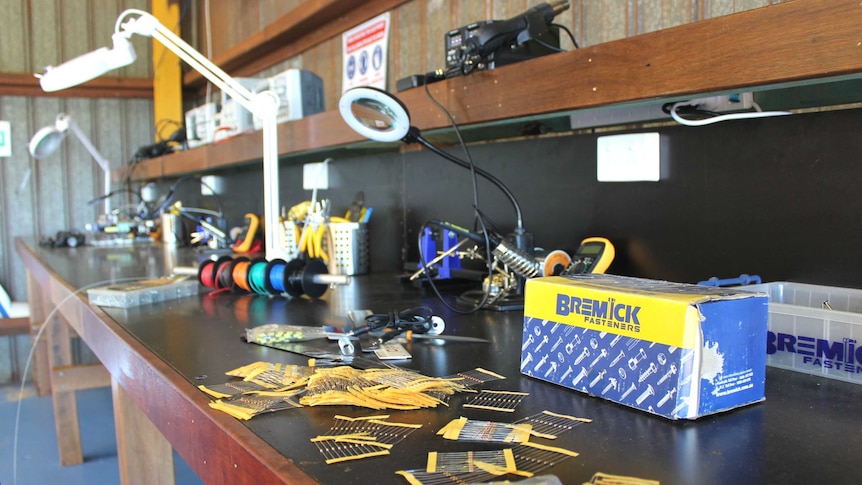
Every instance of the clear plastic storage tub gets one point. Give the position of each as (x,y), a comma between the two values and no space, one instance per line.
(814,329)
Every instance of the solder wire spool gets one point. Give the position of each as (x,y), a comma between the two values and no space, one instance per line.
(208,272)
(239,274)
(224,272)
(300,276)
(256,276)
(274,276)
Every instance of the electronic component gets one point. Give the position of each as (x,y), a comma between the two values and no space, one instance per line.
(594,255)
(64,239)
(230,118)
(200,124)
(493,43)
(300,94)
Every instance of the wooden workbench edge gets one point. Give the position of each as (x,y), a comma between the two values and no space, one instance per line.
(217,447)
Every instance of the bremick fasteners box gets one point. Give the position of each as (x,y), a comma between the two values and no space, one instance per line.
(677,350)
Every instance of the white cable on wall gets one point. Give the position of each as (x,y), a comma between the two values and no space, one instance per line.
(726,117)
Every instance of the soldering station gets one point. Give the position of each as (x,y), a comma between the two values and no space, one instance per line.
(521,268)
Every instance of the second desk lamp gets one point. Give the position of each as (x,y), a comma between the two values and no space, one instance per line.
(48,139)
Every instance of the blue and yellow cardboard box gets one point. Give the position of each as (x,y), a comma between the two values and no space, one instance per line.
(677,350)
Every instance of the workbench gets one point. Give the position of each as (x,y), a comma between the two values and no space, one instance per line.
(806,431)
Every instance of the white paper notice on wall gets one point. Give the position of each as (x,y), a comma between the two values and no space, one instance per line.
(364,50)
(5,139)
(634,157)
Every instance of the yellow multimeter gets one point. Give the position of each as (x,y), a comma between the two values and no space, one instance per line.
(594,255)
(249,234)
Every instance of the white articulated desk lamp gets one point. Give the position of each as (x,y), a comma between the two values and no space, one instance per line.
(48,139)
(263,105)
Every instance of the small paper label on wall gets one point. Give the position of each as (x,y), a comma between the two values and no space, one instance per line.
(5,139)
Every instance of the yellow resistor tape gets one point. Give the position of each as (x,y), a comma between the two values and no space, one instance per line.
(357,457)
(453,429)
(551,448)
(215,394)
(491,468)
(564,416)
(409,477)
(493,374)
(361,418)
(520,433)
(431,467)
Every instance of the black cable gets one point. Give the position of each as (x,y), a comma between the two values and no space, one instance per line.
(166,121)
(112,193)
(170,197)
(549,46)
(691,110)
(477,219)
(479,171)
(571,36)
(427,274)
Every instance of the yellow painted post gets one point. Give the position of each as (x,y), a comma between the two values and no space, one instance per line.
(167,76)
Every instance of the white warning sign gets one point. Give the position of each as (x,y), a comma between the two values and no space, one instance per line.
(364,53)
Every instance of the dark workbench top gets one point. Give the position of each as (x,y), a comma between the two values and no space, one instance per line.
(805,432)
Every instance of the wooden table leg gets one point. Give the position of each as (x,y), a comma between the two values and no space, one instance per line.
(65,404)
(145,456)
(41,367)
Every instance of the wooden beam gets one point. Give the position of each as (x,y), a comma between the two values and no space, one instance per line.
(145,388)
(71,378)
(804,41)
(38,311)
(307,25)
(65,404)
(23,84)
(145,455)
(14,326)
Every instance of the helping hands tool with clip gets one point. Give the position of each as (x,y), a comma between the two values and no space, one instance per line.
(417,321)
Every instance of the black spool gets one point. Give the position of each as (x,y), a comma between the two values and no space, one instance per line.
(299,278)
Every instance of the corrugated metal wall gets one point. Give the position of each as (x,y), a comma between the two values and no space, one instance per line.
(418,28)
(39,198)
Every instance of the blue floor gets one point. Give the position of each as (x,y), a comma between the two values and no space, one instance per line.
(37,457)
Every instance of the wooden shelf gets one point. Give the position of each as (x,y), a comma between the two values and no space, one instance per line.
(307,25)
(793,43)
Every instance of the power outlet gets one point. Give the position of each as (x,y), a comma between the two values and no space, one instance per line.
(634,157)
(212,185)
(315,176)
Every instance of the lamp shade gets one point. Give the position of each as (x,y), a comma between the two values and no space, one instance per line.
(374,114)
(89,66)
(48,138)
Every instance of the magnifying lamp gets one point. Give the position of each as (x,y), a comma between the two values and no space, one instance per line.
(380,116)
(263,105)
(48,139)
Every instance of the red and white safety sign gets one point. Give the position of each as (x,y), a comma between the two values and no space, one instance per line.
(365,54)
